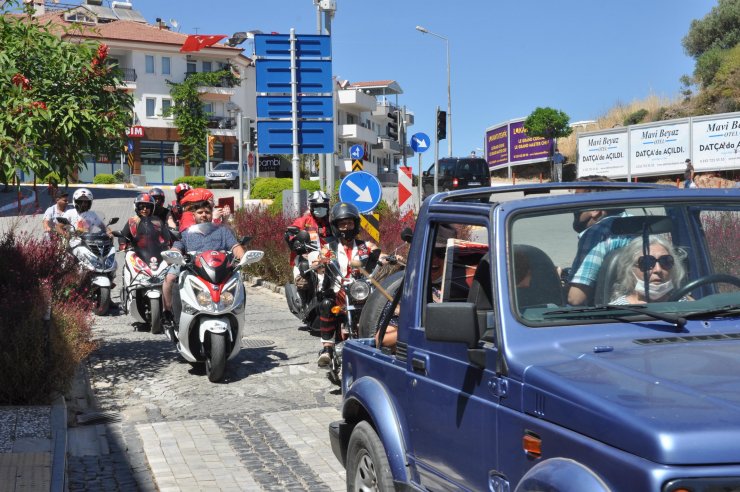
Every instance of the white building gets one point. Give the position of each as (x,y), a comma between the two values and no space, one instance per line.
(149,55)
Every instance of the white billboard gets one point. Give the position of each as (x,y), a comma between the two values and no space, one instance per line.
(716,142)
(660,148)
(603,154)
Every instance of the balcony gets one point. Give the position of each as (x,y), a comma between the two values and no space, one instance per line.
(354,100)
(383,108)
(387,146)
(127,76)
(221,122)
(357,133)
(222,91)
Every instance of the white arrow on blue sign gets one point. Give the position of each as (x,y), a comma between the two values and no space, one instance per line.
(356,152)
(361,189)
(420,142)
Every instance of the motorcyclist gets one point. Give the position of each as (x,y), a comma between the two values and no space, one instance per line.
(198,203)
(315,221)
(344,246)
(160,210)
(147,232)
(81,218)
(176,209)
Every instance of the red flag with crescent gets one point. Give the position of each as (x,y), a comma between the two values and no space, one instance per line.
(196,42)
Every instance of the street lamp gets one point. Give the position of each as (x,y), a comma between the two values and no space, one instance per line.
(424,30)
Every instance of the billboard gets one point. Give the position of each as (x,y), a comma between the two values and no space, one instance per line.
(497,145)
(659,148)
(603,154)
(716,142)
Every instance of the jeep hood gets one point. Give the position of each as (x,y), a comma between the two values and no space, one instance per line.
(674,403)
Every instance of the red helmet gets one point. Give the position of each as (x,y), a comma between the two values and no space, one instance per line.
(197,195)
(181,189)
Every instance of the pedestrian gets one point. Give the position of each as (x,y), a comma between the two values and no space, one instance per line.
(558,160)
(60,206)
(688,174)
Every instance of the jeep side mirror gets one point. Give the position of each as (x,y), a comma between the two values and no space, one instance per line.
(455,322)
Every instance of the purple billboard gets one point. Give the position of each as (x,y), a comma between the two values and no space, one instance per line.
(526,148)
(497,145)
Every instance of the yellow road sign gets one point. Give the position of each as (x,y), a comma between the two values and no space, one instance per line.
(357,165)
(371,224)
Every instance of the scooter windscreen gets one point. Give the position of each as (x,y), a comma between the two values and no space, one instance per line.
(152,243)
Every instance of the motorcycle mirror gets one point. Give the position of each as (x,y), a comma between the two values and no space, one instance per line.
(245,240)
(113,221)
(251,256)
(175,234)
(173,257)
(407,234)
(63,220)
(117,233)
(292,229)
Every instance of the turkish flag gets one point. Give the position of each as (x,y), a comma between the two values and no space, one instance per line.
(196,42)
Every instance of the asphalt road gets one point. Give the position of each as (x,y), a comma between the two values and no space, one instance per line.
(165,426)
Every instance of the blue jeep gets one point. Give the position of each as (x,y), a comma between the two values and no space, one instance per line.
(564,337)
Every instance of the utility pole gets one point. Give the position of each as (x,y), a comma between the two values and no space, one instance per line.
(240,158)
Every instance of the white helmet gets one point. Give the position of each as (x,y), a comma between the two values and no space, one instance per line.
(82,199)
(318,204)
(318,197)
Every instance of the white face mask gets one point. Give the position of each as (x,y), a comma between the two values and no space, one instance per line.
(656,291)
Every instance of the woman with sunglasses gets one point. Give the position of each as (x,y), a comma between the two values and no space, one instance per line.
(648,277)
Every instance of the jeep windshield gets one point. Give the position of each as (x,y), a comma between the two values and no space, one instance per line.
(670,260)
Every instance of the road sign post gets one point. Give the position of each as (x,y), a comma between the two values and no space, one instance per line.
(420,144)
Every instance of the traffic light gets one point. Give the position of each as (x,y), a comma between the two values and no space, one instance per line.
(252,138)
(441,125)
(211,144)
(392,129)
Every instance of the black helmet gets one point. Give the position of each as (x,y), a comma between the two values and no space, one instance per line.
(343,210)
(158,195)
(143,200)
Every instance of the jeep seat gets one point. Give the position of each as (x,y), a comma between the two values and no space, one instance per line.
(545,288)
(481,294)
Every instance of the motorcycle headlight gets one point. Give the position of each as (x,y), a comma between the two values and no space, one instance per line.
(227,299)
(201,296)
(229,293)
(359,290)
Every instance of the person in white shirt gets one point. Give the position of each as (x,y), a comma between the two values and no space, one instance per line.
(60,206)
(81,218)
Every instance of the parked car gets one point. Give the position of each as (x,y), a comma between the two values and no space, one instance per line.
(225,174)
(497,382)
(457,173)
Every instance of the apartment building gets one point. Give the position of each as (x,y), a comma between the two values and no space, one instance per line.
(362,119)
(149,56)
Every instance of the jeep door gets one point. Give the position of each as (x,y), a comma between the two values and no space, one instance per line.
(452,407)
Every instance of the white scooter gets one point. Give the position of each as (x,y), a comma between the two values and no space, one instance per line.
(141,293)
(211,311)
(97,258)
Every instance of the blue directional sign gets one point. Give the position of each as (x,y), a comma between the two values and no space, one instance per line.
(274,76)
(420,142)
(278,45)
(356,152)
(309,107)
(130,145)
(314,137)
(362,189)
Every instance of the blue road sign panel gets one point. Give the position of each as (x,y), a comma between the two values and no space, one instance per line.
(362,189)
(314,137)
(130,145)
(311,107)
(356,152)
(312,76)
(278,45)
(420,142)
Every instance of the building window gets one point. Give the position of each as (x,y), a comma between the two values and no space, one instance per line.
(166,105)
(351,120)
(208,108)
(191,67)
(207,66)
(165,65)
(149,64)
(150,105)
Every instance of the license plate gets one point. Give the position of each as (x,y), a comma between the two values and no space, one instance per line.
(473,184)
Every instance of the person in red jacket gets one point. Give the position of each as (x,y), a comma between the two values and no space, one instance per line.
(315,221)
(176,208)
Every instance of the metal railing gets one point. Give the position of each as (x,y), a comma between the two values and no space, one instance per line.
(127,74)
(226,82)
(221,122)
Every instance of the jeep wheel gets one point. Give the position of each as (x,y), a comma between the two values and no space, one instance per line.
(367,464)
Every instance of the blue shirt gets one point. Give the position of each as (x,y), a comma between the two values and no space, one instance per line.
(593,245)
(211,237)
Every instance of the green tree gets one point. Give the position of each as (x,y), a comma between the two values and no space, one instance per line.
(191,118)
(548,123)
(60,99)
(720,28)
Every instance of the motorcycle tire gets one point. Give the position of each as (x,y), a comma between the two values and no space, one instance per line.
(376,303)
(216,359)
(102,301)
(155,316)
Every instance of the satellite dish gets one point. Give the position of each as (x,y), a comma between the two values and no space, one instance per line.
(175,24)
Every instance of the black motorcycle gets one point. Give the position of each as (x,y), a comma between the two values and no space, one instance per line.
(304,303)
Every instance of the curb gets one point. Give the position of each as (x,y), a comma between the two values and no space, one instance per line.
(260,282)
(58,445)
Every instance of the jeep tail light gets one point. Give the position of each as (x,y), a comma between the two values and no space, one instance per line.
(532,445)
(454,182)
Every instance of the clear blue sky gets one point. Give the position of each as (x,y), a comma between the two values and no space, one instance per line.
(507,57)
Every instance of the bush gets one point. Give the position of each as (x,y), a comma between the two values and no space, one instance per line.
(636,117)
(104,179)
(39,358)
(194,181)
(271,188)
(266,230)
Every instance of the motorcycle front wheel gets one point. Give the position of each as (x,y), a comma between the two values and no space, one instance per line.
(101,297)
(216,359)
(155,316)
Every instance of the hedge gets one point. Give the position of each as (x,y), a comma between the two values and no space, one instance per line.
(104,179)
(194,181)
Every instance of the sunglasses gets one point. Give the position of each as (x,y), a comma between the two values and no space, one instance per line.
(647,263)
